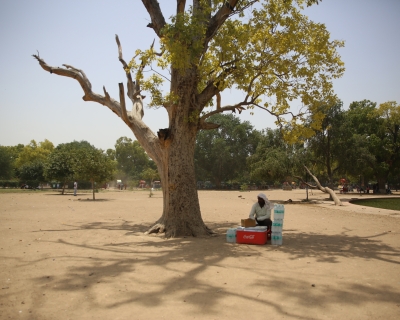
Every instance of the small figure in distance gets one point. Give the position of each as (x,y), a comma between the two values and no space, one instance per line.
(75,188)
(261,211)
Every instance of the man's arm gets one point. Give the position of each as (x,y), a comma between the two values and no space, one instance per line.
(252,214)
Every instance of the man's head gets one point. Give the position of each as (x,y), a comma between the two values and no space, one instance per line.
(262,199)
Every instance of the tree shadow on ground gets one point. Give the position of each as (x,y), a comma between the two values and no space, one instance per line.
(180,266)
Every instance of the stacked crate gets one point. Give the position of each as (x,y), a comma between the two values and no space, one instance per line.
(277,224)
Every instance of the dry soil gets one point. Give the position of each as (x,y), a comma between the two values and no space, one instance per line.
(66,257)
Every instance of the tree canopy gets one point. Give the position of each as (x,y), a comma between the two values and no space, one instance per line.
(60,163)
(34,152)
(93,165)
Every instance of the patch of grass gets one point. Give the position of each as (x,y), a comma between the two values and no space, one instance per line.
(387,203)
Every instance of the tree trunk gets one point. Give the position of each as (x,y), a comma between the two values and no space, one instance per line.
(93,190)
(181,213)
(325,189)
(63,190)
(381,184)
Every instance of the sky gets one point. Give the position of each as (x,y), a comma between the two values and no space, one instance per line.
(35,105)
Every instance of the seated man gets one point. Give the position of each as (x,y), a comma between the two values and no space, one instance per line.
(261,211)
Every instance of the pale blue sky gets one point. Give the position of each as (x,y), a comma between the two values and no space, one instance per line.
(37,105)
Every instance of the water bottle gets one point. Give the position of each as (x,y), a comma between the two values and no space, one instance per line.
(277,225)
(279,211)
(282,208)
(273,238)
(276,238)
(231,235)
(279,239)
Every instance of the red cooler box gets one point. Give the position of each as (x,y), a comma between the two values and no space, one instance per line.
(251,235)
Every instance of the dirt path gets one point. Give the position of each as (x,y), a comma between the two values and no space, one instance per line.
(65,258)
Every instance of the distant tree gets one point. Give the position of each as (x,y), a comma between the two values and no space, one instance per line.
(275,159)
(6,163)
(34,152)
(373,149)
(220,154)
(60,162)
(93,165)
(326,144)
(32,172)
(150,175)
(131,158)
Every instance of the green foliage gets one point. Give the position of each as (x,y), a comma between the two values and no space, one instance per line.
(362,140)
(93,165)
(220,154)
(6,163)
(33,171)
(34,152)
(131,158)
(269,51)
(327,143)
(150,174)
(9,184)
(275,159)
(61,162)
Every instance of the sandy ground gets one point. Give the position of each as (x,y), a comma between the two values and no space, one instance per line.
(65,257)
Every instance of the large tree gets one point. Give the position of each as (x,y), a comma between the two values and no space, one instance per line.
(261,48)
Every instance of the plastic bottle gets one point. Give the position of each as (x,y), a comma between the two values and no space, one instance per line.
(231,235)
(273,238)
(276,238)
(279,211)
(277,225)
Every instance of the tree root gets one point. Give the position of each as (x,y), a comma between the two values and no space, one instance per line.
(160,227)
(157,228)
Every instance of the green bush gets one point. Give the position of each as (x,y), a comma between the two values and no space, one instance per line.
(9,184)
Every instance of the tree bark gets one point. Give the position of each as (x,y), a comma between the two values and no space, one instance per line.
(181,211)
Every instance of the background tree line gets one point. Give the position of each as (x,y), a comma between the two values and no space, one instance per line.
(360,143)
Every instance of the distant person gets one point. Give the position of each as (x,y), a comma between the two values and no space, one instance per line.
(261,211)
(75,187)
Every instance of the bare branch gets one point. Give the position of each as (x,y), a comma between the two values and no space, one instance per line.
(157,18)
(208,125)
(304,182)
(180,6)
(142,132)
(130,83)
(233,108)
(122,103)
